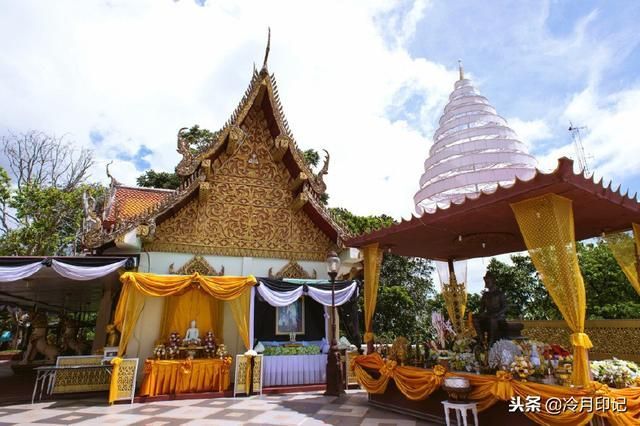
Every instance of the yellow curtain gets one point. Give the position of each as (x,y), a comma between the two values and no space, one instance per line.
(195,305)
(624,250)
(223,288)
(127,313)
(546,224)
(372,262)
(136,285)
(115,374)
(240,309)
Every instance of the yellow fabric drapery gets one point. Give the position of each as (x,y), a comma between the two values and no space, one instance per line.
(417,384)
(136,285)
(115,373)
(546,224)
(625,251)
(240,309)
(372,262)
(196,305)
(167,377)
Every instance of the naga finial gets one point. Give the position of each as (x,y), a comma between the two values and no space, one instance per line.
(114,181)
(266,51)
(321,185)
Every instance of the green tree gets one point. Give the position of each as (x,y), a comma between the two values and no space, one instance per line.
(609,293)
(406,286)
(153,179)
(198,138)
(526,295)
(311,157)
(42,210)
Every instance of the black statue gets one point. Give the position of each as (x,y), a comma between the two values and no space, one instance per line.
(493,309)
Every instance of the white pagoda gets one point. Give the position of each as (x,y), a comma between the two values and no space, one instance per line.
(473,150)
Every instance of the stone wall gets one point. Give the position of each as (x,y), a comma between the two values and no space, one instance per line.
(610,338)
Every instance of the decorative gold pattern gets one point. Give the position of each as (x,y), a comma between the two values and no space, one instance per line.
(257,374)
(247,211)
(127,378)
(292,270)
(197,264)
(610,338)
(81,380)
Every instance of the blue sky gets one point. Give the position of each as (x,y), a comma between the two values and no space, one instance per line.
(365,80)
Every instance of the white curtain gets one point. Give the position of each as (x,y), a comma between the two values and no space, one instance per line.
(85,273)
(15,273)
(324,296)
(279,298)
(285,298)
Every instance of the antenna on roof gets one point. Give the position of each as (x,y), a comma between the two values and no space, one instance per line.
(460,69)
(579,147)
(266,52)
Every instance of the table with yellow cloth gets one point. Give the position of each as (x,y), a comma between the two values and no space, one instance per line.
(166,377)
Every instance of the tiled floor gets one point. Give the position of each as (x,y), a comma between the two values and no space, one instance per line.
(284,409)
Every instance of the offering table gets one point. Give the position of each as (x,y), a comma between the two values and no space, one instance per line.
(166,377)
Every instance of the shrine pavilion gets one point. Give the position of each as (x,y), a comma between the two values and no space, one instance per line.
(238,246)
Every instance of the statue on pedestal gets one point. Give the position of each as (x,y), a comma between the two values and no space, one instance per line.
(193,334)
(493,309)
(113,336)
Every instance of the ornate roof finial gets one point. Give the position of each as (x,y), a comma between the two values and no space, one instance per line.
(266,52)
(460,69)
(114,181)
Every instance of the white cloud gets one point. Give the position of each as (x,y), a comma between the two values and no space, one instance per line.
(137,72)
(530,131)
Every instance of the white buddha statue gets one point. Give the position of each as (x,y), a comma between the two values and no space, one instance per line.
(192,332)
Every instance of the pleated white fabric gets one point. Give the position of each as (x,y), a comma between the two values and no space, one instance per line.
(279,298)
(324,296)
(285,298)
(280,370)
(15,273)
(85,273)
(473,150)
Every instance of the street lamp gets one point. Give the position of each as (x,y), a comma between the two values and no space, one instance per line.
(334,370)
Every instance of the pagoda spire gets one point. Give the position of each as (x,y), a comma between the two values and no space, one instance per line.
(266,51)
(460,69)
(474,150)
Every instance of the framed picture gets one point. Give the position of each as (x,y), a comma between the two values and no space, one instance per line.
(110,352)
(290,319)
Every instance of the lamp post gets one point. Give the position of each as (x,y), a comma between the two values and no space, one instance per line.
(334,372)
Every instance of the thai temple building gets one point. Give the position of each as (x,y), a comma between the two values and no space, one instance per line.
(473,151)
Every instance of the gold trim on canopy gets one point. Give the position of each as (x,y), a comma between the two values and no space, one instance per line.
(136,285)
(546,224)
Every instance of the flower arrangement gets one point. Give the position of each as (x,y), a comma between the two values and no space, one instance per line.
(503,353)
(615,372)
(291,350)
(443,330)
(174,343)
(464,361)
(160,352)
(210,344)
(555,352)
(521,367)
(222,351)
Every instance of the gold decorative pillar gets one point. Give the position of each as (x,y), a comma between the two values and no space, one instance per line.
(546,224)
(454,294)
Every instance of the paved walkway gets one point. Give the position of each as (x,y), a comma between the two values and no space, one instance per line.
(287,409)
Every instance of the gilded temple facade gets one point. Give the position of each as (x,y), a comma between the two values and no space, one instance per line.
(248,204)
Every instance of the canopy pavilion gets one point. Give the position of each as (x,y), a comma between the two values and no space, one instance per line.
(538,215)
